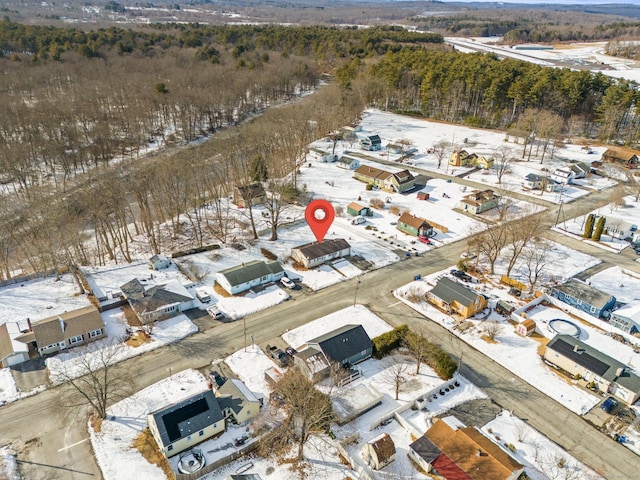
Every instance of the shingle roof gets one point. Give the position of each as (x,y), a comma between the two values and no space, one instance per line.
(462,447)
(342,343)
(426,449)
(6,346)
(383,446)
(619,154)
(355,206)
(448,469)
(372,172)
(250,271)
(595,361)
(412,221)
(154,298)
(403,176)
(584,292)
(234,394)
(187,417)
(251,191)
(315,250)
(57,328)
(449,290)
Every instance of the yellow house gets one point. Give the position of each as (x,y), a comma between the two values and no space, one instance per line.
(182,425)
(483,162)
(459,158)
(238,403)
(453,297)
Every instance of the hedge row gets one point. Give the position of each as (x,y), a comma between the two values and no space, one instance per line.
(191,251)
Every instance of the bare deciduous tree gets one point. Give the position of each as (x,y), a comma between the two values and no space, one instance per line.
(536,258)
(419,347)
(104,380)
(502,161)
(491,329)
(395,372)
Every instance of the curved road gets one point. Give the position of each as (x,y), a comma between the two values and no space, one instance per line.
(54,447)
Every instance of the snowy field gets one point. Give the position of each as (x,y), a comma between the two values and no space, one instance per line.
(619,282)
(617,217)
(357,315)
(38,299)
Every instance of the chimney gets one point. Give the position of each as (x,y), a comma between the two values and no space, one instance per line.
(29,324)
(575,348)
(619,372)
(62,327)
(479,453)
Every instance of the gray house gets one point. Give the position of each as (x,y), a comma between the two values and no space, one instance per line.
(158,262)
(184,424)
(584,297)
(345,346)
(157,302)
(316,253)
(627,318)
(248,275)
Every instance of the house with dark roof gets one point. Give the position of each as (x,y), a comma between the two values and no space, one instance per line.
(624,157)
(184,424)
(238,403)
(454,297)
(242,277)
(608,374)
(627,317)
(316,253)
(468,450)
(152,302)
(249,195)
(344,346)
(412,225)
(459,158)
(379,452)
(244,476)
(400,182)
(584,297)
(12,352)
(66,330)
(371,143)
(479,201)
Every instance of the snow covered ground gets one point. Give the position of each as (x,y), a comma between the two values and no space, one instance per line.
(619,282)
(8,464)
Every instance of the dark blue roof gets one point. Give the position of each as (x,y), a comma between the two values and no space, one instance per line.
(343,343)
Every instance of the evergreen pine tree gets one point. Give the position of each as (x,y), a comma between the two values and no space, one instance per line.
(258,169)
(599,229)
(588,225)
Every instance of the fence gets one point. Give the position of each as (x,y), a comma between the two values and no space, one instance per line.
(512,282)
(360,471)
(32,276)
(218,463)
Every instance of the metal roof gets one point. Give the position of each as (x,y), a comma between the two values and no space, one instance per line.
(187,417)
(250,271)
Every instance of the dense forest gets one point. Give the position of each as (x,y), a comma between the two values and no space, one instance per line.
(100,130)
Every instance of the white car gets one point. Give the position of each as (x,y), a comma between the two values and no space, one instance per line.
(215,313)
(287,282)
(468,255)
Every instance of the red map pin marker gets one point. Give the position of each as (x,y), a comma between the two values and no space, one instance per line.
(319,215)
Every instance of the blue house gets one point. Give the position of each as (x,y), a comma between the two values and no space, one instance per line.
(584,297)
(345,346)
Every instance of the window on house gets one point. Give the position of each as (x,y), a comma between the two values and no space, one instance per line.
(95,333)
(578,301)
(201,433)
(593,309)
(555,354)
(170,309)
(170,447)
(189,438)
(76,339)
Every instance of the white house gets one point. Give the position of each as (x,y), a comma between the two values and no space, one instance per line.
(564,175)
(627,318)
(348,163)
(248,275)
(158,262)
(316,253)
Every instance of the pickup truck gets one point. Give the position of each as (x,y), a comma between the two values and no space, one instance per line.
(277,354)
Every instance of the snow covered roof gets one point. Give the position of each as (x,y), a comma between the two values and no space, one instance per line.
(631,311)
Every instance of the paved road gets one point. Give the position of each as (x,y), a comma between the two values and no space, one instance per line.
(52,447)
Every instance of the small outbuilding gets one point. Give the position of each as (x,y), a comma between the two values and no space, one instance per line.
(158,262)
(379,452)
(356,209)
(526,327)
(423,196)
(248,195)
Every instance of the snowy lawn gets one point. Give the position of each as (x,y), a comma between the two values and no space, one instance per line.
(358,315)
(619,282)
(250,366)
(73,363)
(540,456)
(8,389)
(8,464)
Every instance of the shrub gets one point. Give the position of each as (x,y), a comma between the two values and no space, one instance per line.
(383,344)
(512,447)
(395,210)
(442,363)
(377,203)
(268,254)
(368,187)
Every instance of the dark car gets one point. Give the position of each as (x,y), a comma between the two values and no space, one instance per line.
(290,351)
(457,273)
(609,404)
(218,379)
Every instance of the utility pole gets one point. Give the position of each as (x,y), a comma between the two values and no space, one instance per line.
(244,327)
(355,297)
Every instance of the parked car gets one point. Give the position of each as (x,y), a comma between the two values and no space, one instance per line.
(516,292)
(287,282)
(241,440)
(424,239)
(468,255)
(216,378)
(215,313)
(609,404)
(358,221)
(290,351)
(277,354)
(457,273)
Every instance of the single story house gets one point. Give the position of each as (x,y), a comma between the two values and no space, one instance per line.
(249,195)
(454,297)
(419,227)
(627,318)
(526,328)
(371,175)
(400,182)
(479,201)
(622,230)
(356,209)
(379,452)
(12,352)
(459,158)
(66,330)
(158,262)
(472,452)
(371,143)
(242,277)
(184,424)
(157,302)
(348,163)
(237,402)
(564,175)
(344,346)
(316,253)
(533,182)
(624,157)
(394,148)
(580,169)
(313,363)
(608,374)
(584,297)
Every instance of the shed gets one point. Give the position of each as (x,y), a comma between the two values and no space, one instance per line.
(356,209)
(423,196)
(526,327)
(158,262)
(504,308)
(412,225)
(379,452)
